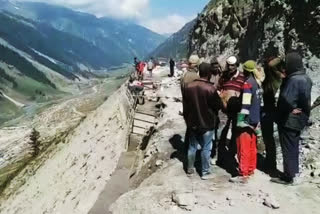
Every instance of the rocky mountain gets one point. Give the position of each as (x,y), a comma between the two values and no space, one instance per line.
(119,40)
(260,29)
(176,45)
(257,29)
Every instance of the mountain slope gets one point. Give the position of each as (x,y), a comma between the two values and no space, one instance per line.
(176,45)
(120,39)
(259,30)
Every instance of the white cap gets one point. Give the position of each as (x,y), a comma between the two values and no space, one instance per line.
(194,59)
(232,60)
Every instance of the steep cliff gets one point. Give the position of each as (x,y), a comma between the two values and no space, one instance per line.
(255,29)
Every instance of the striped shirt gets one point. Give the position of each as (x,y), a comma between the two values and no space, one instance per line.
(251,101)
(235,83)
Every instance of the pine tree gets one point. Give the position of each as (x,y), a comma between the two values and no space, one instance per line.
(34,142)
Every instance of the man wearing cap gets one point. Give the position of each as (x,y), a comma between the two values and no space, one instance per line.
(293,112)
(248,122)
(192,72)
(201,104)
(230,87)
(189,76)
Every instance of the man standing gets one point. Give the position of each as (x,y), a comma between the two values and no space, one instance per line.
(191,74)
(150,66)
(201,104)
(230,85)
(248,122)
(274,71)
(172,64)
(294,106)
(216,72)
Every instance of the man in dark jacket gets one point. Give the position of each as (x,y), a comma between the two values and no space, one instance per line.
(274,71)
(294,107)
(172,64)
(201,104)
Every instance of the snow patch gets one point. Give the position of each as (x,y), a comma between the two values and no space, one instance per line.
(45,56)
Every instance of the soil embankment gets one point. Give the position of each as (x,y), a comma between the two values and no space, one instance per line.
(70,174)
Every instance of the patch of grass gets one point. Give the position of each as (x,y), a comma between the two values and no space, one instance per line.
(8,110)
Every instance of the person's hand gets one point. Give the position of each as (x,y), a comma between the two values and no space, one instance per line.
(297,111)
(260,140)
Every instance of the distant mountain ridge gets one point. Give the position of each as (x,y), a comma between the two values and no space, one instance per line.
(120,40)
(176,46)
(48,51)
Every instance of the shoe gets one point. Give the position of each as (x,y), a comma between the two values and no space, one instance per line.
(208,176)
(213,161)
(220,163)
(296,181)
(274,173)
(190,172)
(251,174)
(281,180)
(239,179)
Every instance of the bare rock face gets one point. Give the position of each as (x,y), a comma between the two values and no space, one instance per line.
(258,29)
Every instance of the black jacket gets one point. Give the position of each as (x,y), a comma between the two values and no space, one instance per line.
(295,93)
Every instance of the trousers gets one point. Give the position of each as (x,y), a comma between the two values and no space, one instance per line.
(289,141)
(205,141)
(247,151)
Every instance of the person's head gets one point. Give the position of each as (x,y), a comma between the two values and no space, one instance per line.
(194,61)
(215,66)
(249,68)
(232,64)
(205,71)
(294,62)
(135,58)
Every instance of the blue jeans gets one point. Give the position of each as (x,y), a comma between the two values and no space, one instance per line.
(205,141)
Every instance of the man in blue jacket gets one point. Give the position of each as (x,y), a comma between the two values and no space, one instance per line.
(294,106)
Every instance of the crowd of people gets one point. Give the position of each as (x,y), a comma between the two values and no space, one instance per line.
(251,99)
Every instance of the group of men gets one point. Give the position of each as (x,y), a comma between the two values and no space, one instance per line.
(252,100)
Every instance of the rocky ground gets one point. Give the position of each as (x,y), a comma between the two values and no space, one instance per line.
(71,175)
(169,190)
